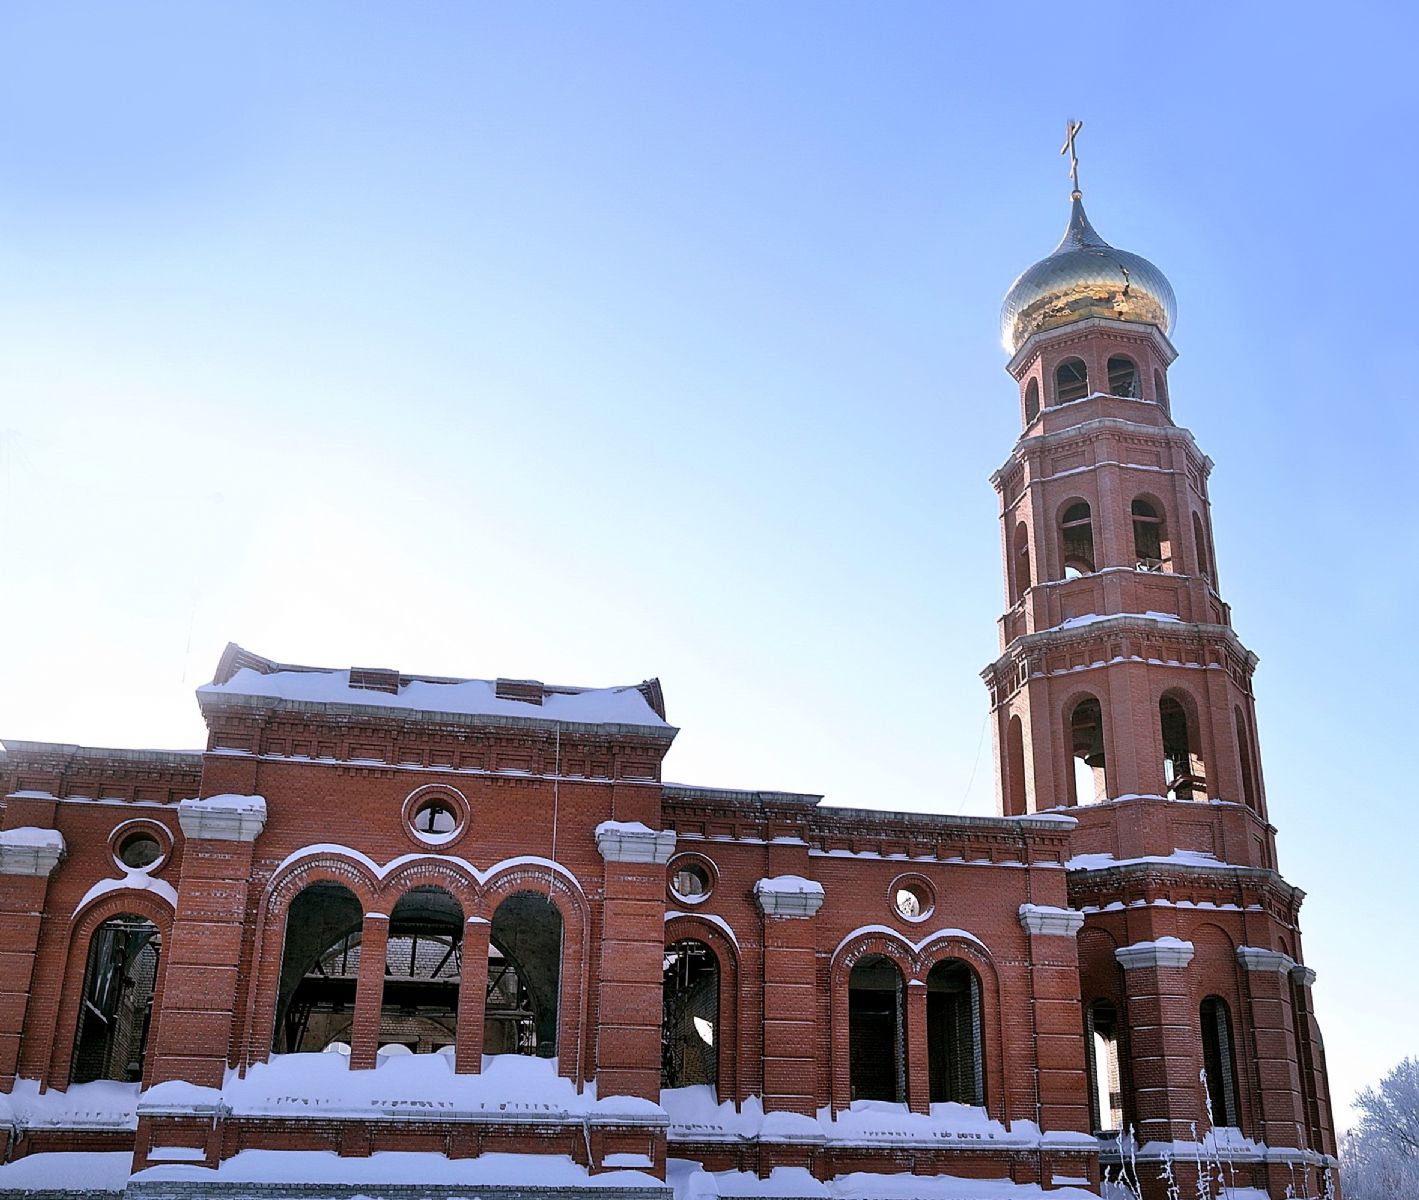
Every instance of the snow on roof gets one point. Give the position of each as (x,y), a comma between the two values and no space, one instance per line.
(32,837)
(89,1172)
(461,697)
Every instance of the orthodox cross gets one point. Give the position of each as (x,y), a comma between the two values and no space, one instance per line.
(1072,129)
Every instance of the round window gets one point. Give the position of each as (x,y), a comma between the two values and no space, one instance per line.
(912,899)
(139,850)
(436,815)
(690,881)
(435,820)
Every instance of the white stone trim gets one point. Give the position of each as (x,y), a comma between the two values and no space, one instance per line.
(632,842)
(1305,976)
(30,851)
(1258,958)
(1043,919)
(788,896)
(226,818)
(1165,952)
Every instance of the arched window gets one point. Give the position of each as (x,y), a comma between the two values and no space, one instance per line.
(1071,381)
(1015,802)
(1123,376)
(1183,772)
(1101,1030)
(1077,540)
(524,977)
(423,967)
(689,1032)
(1160,389)
(1020,562)
(1218,1062)
(119,980)
(1199,540)
(877,1059)
(320,968)
(1086,739)
(1150,538)
(953,1034)
(1032,400)
(1244,753)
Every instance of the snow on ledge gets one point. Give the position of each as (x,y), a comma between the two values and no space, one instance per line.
(29,850)
(1046,919)
(87,1172)
(522,1171)
(102,1104)
(131,881)
(223,818)
(713,918)
(634,841)
(936,935)
(1164,952)
(1101,862)
(788,896)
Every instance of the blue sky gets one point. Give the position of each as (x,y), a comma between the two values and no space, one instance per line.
(596,341)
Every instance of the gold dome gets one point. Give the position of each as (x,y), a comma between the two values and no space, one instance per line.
(1085,277)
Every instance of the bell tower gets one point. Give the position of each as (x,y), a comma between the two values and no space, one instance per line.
(1122,697)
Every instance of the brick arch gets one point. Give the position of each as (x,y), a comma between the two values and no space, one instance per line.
(430,871)
(140,902)
(890,945)
(564,891)
(975,956)
(335,865)
(692,927)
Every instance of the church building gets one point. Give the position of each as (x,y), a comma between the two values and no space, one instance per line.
(402,935)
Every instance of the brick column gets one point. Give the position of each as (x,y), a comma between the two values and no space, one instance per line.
(27,857)
(472,996)
(1276,1070)
(1165,1049)
(1313,1074)
(369,992)
(630,1001)
(790,993)
(918,1064)
(1061,1063)
(200,978)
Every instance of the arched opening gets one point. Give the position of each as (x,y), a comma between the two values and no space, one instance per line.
(877,1058)
(954,1046)
(320,969)
(111,1041)
(1160,389)
(423,965)
(1123,376)
(1032,400)
(1204,556)
(1219,1062)
(689,1030)
(1150,538)
(1086,741)
(1071,381)
(1015,791)
(1244,752)
(1183,771)
(524,977)
(1101,1032)
(1020,563)
(1076,528)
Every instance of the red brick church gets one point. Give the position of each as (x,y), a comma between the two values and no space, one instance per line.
(399,935)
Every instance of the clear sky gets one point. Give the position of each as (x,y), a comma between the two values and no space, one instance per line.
(589,342)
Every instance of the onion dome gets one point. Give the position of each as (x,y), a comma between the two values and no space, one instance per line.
(1085,277)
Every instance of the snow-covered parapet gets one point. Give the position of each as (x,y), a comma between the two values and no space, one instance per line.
(1258,958)
(1165,952)
(30,850)
(224,818)
(1042,918)
(788,896)
(634,841)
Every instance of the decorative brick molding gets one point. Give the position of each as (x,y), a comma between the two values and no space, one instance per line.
(30,851)
(1304,976)
(1256,958)
(630,841)
(224,818)
(1042,919)
(1165,952)
(788,896)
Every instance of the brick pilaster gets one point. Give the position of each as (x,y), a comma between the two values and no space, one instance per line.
(1061,1062)
(918,1062)
(1165,1050)
(26,862)
(369,992)
(1275,1068)
(472,997)
(790,997)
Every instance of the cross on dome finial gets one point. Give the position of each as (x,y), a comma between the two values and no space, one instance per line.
(1072,129)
